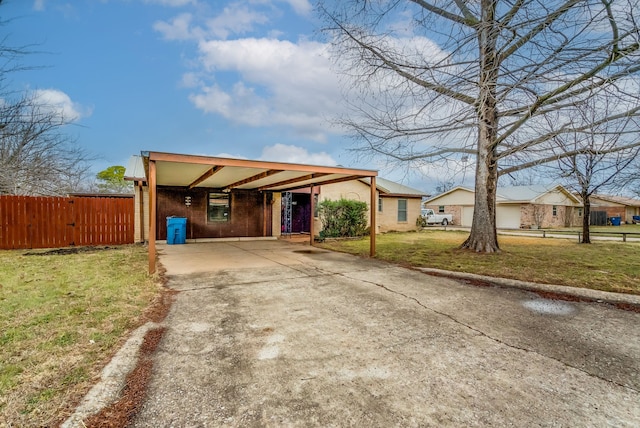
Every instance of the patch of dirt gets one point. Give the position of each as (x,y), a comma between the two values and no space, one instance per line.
(568,298)
(69,250)
(544,294)
(310,251)
(122,412)
(469,281)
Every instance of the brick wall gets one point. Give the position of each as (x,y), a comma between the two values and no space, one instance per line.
(542,215)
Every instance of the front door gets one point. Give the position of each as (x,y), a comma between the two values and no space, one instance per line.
(300,213)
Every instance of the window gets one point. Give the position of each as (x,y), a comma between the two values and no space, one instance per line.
(379,204)
(402,210)
(441,208)
(315,205)
(555,210)
(218,208)
(580,212)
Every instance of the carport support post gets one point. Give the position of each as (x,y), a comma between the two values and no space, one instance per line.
(152,216)
(264,214)
(313,207)
(373,209)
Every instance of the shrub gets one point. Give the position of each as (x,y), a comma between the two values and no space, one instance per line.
(342,218)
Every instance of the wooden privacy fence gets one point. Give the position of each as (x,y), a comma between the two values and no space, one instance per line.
(48,222)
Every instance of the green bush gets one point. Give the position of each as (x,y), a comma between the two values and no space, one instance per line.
(342,218)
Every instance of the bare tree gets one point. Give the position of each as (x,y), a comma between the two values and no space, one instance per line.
(444,186)
(492,79)
(36,156)
(596,157)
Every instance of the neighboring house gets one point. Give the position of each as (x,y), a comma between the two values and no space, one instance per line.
(398,206)
(614,206)
(516,206)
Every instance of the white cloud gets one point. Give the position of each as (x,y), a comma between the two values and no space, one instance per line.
(191,80)
(257,81)
(38,5)
(235,19)
(179,28)
(301,7)
(295,154)
(60,103)
(283,83)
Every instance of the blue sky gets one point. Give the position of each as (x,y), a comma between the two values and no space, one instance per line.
(234,78)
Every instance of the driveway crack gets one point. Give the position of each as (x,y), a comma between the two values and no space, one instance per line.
(495,339)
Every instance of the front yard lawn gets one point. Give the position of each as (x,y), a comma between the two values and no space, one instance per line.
(62,316)
(608,266)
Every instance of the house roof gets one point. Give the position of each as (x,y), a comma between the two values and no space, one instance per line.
(622,200)
(192,171)
(392,188)
(455,189)
(516,194)
(530,193)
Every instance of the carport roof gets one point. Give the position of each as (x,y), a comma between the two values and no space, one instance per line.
(227,173)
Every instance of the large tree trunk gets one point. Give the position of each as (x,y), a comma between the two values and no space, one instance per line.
(586,219)
(484,236)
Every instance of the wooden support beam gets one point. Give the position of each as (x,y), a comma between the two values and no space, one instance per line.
(293,181)
(322,183)
(206,175)
(374,210)
(264,213)
(152,217)
(256,177)
(313,207)
(243,163)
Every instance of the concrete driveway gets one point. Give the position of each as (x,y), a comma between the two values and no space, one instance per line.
(269,333)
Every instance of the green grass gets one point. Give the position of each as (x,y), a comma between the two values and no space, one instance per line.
(609,266)
(61,318)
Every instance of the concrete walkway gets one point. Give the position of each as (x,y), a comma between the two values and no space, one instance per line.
(268,333)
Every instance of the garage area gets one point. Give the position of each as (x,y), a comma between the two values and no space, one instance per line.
(272,333)
(228,198)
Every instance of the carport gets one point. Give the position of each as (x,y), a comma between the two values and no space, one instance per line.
(227,175)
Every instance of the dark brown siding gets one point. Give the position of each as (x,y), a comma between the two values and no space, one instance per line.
(246,213)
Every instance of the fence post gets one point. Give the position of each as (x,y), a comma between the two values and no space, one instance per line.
(624,237)
(579,237)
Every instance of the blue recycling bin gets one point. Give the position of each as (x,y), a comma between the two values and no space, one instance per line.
(176,230)
(615,221)
(636,219)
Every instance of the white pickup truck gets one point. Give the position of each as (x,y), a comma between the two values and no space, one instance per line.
(430,217)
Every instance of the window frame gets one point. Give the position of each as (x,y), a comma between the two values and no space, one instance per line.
(226,216)
(405,210)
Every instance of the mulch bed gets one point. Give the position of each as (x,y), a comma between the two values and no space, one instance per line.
(122,412)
